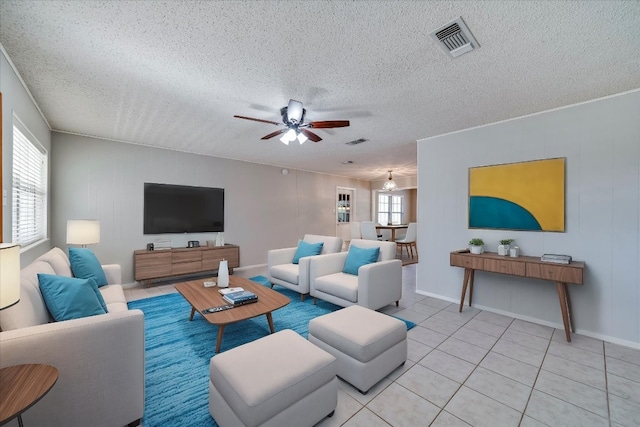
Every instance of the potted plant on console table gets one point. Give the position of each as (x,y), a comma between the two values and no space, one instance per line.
(503,248)
(476,246)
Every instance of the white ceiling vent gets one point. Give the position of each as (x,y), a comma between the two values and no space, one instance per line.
(455,38)
(356,141)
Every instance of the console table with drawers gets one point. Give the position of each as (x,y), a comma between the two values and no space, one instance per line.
(158,264)
(523,266)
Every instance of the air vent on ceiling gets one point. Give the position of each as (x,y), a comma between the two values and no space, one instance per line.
(455,38)
(356,141)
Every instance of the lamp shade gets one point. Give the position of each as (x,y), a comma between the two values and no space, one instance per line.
(9,274)
(83,231)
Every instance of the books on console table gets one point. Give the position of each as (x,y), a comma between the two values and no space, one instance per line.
(240,297)
(555,258)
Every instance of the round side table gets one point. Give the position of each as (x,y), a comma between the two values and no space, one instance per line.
(21,386)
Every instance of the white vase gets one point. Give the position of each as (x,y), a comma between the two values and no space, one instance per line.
(477,250)
(223,274)
(503,250)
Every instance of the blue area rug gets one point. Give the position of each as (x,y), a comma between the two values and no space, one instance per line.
(178,352)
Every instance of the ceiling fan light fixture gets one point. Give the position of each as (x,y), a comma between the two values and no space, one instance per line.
(293,124)
(288,137)
(390,185)
(294,111)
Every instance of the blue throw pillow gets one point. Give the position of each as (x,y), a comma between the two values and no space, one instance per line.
(307,249)
(94,286)
(357,257)
(70,298)
(85,265)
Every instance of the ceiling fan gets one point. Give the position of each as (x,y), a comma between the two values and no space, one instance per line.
(293,125)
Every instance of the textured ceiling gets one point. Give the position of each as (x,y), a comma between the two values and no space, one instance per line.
(173,74)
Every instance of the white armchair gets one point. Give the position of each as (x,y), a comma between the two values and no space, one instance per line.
(376,285)
(283,272)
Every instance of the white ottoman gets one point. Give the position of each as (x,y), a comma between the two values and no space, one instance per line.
(279,380)
(368,345)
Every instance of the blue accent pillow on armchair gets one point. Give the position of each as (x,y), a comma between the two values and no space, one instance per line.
(85,265)
(357,257)
(307,249)
(70,298)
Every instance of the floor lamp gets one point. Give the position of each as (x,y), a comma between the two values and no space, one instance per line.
(83,232)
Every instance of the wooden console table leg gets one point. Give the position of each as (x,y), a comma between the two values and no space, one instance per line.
(566,293)
(219,340)
(193,310)
(562,296)
(465,281)
(471,286)
(270,321)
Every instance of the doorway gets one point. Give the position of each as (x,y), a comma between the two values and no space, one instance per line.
(345,211)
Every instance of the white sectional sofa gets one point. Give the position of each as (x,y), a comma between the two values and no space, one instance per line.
(100,359)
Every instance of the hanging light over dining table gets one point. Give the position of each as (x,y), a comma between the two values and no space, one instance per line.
(390,185)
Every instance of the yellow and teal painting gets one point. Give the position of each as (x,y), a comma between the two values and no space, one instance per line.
(518,196)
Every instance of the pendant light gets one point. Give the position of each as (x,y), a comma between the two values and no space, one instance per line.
(390,185)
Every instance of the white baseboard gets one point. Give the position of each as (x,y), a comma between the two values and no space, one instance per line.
(613,340)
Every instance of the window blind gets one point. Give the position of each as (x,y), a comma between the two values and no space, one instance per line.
(29,223)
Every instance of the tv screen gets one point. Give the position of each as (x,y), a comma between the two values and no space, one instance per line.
(182,209)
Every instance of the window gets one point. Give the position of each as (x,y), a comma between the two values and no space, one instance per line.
(344,207)
(29,223)
(390,207)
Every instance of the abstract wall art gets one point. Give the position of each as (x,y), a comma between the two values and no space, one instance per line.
(518,196)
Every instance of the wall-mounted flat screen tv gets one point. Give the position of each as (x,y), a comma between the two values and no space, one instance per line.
(182,209)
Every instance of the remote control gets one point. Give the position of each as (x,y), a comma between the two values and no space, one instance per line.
(217,309)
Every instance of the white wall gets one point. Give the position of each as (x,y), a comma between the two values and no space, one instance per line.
(17,101)
(601,142)
(264,209)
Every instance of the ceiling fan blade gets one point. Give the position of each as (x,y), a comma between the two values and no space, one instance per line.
(329,124)
(312,136)
(276,133)
(258,120)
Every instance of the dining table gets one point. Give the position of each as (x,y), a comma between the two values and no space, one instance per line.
(393,229)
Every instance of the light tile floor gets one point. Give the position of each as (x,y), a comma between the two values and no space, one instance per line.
(483,369)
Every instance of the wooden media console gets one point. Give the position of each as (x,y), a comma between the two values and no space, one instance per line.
(158,264)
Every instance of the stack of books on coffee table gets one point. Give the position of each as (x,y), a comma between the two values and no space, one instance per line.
(238,296)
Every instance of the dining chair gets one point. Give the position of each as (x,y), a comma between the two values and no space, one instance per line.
(409,240)
(368,231)
(384,235)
